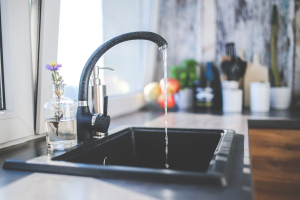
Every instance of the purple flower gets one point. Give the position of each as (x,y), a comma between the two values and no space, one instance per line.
(53,66)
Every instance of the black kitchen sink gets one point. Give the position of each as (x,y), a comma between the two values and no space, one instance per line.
(195,156)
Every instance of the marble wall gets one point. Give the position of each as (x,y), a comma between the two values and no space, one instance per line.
(200,29)
(297,52)
(247,23)
(180,24)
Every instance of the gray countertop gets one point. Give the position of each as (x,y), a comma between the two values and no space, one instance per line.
(27,185)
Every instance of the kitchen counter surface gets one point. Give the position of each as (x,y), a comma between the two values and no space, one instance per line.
(28,185)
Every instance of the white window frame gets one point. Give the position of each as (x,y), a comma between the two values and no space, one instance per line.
(49,27)
(117,105)
(17,120)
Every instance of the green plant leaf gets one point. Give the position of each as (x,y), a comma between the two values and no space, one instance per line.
(185,73)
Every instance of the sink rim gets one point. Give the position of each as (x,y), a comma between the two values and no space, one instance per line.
(217,173)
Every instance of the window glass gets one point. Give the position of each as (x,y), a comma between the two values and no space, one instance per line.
(1,75)
(80,33)
(84,26)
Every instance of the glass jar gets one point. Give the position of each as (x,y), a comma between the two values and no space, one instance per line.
(60,118)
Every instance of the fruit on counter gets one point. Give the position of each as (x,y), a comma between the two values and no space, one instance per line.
(152,91)
(173,85)
(170,101)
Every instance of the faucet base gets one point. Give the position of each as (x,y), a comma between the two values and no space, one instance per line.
(85,129)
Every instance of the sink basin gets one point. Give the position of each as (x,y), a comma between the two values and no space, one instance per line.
(196,156)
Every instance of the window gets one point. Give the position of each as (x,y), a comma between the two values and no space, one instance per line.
(80,34)
(84,25)
(2,102)
(126,58)
(17,117)
(71,30)
(133,61)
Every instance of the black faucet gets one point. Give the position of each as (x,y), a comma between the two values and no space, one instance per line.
(87,122)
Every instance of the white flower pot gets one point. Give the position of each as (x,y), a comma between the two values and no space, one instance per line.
(230,85)
(259,96)
(280,98)
(232,100)
(184,98)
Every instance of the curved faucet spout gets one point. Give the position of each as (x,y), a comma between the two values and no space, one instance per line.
(86,121)
(90,64)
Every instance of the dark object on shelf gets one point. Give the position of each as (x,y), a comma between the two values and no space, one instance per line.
(196,156)
(230,50)
(208,91)
(242,65)
(233,67)
(198,87)
(229,61)
(217,87)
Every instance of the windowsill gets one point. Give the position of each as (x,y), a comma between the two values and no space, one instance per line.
(7,114)
(21,140)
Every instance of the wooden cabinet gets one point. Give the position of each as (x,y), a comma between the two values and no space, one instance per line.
(275,157)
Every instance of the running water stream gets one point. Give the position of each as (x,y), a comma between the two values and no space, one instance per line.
(166,109)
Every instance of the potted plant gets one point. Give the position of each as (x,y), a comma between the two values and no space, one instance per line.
(280,94)
(186,74)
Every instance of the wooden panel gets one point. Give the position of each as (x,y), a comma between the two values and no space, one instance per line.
(275,156)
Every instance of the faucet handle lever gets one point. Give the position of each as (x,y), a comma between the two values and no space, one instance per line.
(105,102)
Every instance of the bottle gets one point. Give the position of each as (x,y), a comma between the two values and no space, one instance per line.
(60,117)
(97,92)
(207,91)
(217,87)
(198,87)
(204,91)
(209,87)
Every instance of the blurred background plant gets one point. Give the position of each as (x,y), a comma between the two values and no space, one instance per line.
(186,73)
(275,75)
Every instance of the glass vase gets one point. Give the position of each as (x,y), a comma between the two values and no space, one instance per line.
(60,118)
